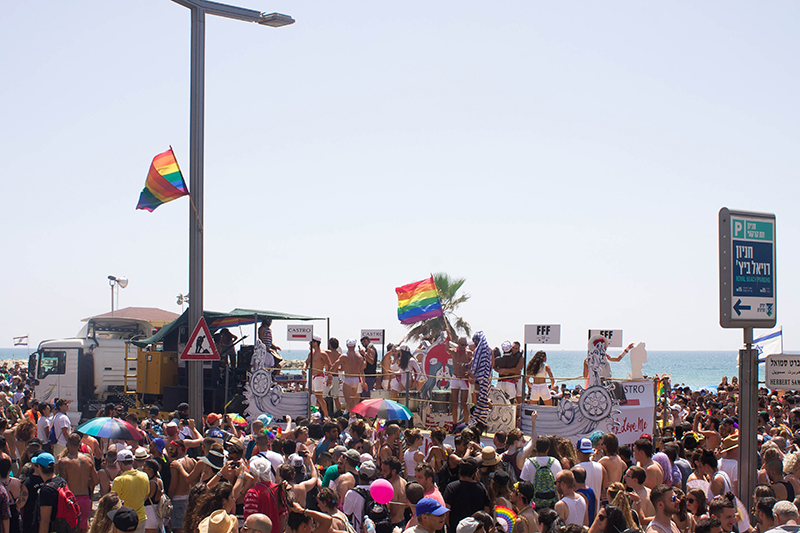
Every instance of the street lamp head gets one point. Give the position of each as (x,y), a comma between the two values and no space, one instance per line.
(276,20)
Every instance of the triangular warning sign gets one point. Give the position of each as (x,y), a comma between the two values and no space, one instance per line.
(201,346)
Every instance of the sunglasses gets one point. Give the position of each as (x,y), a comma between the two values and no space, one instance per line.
(690,500)
(675,498)
(601,517)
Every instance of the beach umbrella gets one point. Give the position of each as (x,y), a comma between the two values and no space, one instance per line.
(237,419)
(382,408)
(110,428)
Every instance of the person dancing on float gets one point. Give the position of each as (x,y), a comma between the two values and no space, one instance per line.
(538,371)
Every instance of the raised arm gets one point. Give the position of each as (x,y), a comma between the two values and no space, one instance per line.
(527,450)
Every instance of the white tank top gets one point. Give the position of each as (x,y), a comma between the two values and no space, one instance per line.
(411,464)
(577,509)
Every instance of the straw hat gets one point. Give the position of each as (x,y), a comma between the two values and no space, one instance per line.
(730,442)
(489,456)
(218,522)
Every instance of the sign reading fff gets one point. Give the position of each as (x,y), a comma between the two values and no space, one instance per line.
(614,336)
(542,333)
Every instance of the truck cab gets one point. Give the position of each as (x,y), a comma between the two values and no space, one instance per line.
(90,368)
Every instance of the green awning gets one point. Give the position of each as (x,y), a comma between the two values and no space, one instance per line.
(217,320)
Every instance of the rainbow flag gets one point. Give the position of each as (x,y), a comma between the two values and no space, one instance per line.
(164,182)
(418,301)
(660,389)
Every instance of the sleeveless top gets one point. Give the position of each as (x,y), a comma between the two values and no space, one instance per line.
(14,524)
(411,464)
(577,509)
(727,484)
(369,369)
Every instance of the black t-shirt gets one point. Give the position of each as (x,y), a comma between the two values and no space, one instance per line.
(30,512)
(48,495)
(166,475)
(465,498)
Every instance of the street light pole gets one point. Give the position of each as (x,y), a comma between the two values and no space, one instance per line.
(199,8)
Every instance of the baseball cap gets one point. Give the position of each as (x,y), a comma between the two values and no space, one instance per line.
(468,525)
(125,519)
(585,446)
(350,342)
(367,469)
(124,456)
(296,461)
(154,411)
(353,454)
(213,418)
(160,444)
(430,506)
(44,459)
(338,451)
(366,457)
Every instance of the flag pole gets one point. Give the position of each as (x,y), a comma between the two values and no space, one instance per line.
(196,214)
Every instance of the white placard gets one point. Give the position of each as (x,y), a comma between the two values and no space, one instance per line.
(613,335)
(782,371)
(299,333)
(375,335)
(542,333)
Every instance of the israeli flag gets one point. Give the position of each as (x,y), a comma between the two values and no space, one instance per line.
(770,343)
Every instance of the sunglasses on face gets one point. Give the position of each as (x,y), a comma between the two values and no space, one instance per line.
(601,517)
(690,500)
(674,498)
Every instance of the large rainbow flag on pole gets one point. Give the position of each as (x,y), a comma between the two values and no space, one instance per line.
(418,301)
(164,182)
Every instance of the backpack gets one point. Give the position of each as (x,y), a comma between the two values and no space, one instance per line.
(51,438)
(164,507)
(68,512)
(544,484)
(377,512)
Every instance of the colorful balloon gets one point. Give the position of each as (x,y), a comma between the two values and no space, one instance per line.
(381,491)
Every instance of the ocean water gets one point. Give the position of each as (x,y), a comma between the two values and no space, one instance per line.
(695,369)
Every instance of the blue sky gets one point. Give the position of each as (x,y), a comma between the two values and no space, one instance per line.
(567,159)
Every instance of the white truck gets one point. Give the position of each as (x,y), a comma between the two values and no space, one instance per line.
(89,369)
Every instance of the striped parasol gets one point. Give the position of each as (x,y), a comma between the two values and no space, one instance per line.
(382,408)
(110,428)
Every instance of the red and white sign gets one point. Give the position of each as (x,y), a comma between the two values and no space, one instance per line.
(375,335)
(636,416)
(201,346)
(299,333)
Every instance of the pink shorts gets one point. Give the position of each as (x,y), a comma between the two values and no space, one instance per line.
(85,503)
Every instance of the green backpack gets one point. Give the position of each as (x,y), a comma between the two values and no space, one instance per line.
(544,484)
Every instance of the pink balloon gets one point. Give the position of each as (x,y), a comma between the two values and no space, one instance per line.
(381,491)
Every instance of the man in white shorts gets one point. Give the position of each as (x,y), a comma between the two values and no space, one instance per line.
(509,370)
(319,363)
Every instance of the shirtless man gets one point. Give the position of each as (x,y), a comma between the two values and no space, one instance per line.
(78,471)
(106,475)
(643,454)
(319,365)
(94,446)
(179,484)
(386,368)
(459,385)
(349,478)
(333,357)
(353,366)
(611,462)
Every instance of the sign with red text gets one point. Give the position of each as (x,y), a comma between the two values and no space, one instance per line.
(637,413)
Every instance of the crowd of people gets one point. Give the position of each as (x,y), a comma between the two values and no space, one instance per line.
(323,474)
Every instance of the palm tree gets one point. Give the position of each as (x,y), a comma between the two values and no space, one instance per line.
(431,329)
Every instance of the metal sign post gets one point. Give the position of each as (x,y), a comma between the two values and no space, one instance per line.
(747,300)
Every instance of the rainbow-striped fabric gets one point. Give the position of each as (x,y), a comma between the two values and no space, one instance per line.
(164,182)
(418,301)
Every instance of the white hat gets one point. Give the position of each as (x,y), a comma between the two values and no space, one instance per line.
(506,346)
(295,460)
(316,338)
(350,343)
